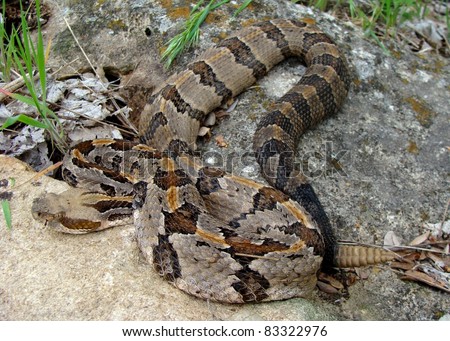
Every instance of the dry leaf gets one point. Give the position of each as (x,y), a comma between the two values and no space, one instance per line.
(220,141)
(420,239)
(402,265)
(411,257)
(232,106)
(327,288)
(220,114)
(390,239)
(439,228)
(203,131)
(423,255)
(438,275)
(424,278)
(436,259)
(363,273)
(330,280)
(210,119)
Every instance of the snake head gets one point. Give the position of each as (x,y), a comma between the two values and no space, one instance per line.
(78,211)
(46,208)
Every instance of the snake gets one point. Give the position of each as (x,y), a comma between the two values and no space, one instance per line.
(213,234)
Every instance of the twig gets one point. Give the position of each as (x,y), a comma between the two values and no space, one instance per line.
(14,85)
(39,174)
(96,73)
(118,112)
(443,218)
(82,50)
(53,74)
(394,248)
(45,171)
(256,256)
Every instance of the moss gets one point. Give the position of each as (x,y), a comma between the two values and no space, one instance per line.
(424,216)
(223,35)
(178,12)
(99,3)
(412,147)
(356,82)
(423,114)
(215,17)
(363,208)
(404,80)
(64,44)
(251,21)
(117,25)
(252,117)
(267,105)
(166,3)
(438,314)
(396,54)
(336,165)
(436,67)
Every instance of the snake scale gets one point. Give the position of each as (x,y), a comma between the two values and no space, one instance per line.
(212,234)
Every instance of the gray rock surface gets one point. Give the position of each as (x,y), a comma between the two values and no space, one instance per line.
(381,164)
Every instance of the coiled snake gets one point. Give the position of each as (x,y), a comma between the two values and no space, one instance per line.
(212,234)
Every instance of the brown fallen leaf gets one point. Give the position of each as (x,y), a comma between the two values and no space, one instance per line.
(330,280)
(390,239)
(351,278)
(203,131)
(210,120)
(420,239)
(423,255)
(362,273)
(439,261)
(412,256)
(220,141)
(402,265)
(424,278)
(437,274)
(232,105)
(327,288)
(220,114)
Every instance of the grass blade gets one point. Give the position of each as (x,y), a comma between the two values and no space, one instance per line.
(191,32)
(196,7)
(7,213)
(39,58)
(23,119)
(29,57)
(242,7)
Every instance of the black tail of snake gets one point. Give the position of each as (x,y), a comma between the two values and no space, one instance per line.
(212,234)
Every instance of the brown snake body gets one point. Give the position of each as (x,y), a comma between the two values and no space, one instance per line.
(215,235)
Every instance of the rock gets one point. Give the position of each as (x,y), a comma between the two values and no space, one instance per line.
(380,165)
(46,275)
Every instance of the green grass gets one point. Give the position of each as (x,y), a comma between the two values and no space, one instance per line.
(381,16)
(6,48)
(191,32)
(20,55)
(6,209)
(242,7)
(390,13)
(26,57)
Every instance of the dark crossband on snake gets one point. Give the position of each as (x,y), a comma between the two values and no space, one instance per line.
(215,235)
